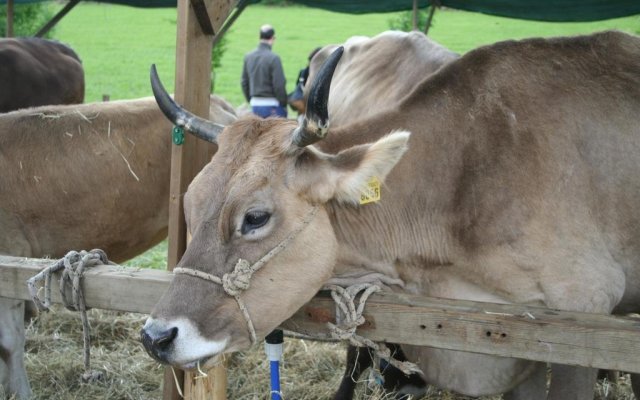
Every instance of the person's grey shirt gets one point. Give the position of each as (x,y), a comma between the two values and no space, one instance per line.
(262,75)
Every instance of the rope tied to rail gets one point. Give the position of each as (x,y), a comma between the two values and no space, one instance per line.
(73,266)
(239,280)
(349,317)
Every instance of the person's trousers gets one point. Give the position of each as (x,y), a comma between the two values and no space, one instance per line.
(269,111)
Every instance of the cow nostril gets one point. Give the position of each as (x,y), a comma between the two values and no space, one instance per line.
(164,340)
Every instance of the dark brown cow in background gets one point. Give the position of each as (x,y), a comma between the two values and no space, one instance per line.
(78,177)
(36,72)
(510,176)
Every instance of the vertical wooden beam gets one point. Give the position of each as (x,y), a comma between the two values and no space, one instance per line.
(192,83)
(242,4)
(56,18)
(415,15)
(432,10)
(9,32)
(193,80)
(213,387)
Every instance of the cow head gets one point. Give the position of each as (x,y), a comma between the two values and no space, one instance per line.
(262,194)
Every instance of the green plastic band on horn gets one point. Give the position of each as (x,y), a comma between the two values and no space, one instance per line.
(177,135)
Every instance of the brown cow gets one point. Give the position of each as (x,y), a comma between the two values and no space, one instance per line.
(81,177)
(36,72)
(517,184)
(377,72)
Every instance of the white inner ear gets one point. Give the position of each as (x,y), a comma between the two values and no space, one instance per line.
(380,158)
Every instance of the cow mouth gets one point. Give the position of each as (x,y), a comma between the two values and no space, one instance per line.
(202,364)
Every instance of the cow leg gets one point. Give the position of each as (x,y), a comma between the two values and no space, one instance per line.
(533,388)
(358,359)
(572,383)
(635,384)
(406,386)
(13,375)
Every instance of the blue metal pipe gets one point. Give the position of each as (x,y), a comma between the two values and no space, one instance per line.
(275,380)
(273,348)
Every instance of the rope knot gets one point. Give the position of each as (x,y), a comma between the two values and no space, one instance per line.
(349,316)
(342,332)
(73,266)
(238,281)
(75,263)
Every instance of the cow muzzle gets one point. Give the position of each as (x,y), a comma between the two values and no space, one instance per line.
(157,343)
(179,343)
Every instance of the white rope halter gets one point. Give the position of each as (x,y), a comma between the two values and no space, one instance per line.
(349,315)
(236,282)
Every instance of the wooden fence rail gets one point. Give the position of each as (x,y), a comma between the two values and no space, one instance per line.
(504,330)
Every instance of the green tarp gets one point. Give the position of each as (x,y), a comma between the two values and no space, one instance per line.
(541,10)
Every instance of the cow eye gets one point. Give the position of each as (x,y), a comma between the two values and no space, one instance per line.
(254,220)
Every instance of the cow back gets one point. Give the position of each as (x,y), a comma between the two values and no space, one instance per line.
(86,176)
(35,72)
(375,73)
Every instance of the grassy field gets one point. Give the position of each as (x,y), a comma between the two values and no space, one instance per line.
(117,45)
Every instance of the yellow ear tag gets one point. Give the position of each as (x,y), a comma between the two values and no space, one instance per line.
(371,191)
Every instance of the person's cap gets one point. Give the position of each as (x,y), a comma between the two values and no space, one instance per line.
(267,32)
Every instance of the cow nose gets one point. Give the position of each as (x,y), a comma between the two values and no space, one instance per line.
(157,342)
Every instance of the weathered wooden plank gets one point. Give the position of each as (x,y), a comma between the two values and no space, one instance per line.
(518,331)
(108,287)
(534,333)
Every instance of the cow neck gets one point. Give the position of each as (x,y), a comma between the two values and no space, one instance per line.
(236,282)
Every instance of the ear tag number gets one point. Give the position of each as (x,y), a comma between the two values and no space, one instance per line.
(371,191)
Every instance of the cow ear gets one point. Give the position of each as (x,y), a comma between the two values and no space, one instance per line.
(343,176)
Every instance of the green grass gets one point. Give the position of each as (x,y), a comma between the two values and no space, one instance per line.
(118,43)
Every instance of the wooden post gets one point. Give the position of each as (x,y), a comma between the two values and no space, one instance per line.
(432,10)
(242,4)
(56,18)
(9,32)
(415,15)
(197,21)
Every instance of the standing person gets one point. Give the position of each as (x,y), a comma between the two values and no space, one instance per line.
(263,82)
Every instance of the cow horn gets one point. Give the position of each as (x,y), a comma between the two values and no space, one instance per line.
(315,124)
(199,127)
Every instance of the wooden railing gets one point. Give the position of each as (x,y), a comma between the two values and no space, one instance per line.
(533,333)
